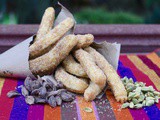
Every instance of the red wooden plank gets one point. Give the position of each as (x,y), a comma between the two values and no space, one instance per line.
(134,38)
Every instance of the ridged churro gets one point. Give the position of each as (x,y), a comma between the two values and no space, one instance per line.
(73,67)
(47,63)
(88,63)
(72,83)
(46,23)
(113,78)
(84,40)
(92,91)
(42,46)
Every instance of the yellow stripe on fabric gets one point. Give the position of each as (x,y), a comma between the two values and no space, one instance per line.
(154,58)
(146,70)
(1,84)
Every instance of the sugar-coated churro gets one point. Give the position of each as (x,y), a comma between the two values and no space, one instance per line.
(84,40)
(71,82)
(73,67)
(42,46)
(46,23)
(47,63)
(113,78)
(88,63)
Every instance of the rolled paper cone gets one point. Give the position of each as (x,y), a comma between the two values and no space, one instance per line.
(14,62)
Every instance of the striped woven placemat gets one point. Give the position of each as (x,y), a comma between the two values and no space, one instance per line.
(145,68)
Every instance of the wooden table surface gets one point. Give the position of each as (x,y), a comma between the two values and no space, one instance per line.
(134,38)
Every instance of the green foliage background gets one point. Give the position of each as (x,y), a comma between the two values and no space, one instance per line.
(85,11)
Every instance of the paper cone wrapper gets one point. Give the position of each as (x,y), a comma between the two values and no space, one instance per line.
(14,62)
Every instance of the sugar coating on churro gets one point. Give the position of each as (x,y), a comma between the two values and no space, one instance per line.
(88,63)
(113,78)
(92,91)
(41,46)
(73,67)
(84,40)
(46,23)
(71,82)
(47,63)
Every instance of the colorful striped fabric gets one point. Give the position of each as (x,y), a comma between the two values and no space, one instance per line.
(145,68)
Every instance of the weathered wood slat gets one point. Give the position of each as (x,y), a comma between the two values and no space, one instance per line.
(134,38)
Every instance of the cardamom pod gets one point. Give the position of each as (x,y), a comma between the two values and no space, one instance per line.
(87,109)
(149,102)
(145,89)
(125,105)
(66,97)
(30,100)
(52,101)
(24,91)
(42,92)
(27,83)
(144,103)
(135,101)
(149,94)
(141,98)
(58,100)
(130,80)
(142,84)
(138,106)
(157,93)
(151,88)
(39,100)
(156,100)
(13,93)
(150,98)
(131,95)
(131,105)
(35,85)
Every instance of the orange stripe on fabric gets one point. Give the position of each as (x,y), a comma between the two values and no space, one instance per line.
(145,69)
(52,113)
(83,104)
(120,114)
(154,58)
(1,84)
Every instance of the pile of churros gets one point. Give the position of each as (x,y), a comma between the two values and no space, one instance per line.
(72,60)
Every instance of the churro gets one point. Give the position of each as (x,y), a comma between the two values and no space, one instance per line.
(46,23)
(73,67)
(43,45)
(71,82)
(47,63)
(113,78)
(88,63)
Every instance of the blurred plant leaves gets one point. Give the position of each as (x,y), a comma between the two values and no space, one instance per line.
(96,11)
(96,16)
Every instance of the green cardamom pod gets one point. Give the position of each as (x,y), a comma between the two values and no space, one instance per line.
(131,105)
(135,101)
(138,106)
(125,105)
(149,102)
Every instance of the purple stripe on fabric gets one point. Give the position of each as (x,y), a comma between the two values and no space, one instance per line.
(36,112)
(20,108)
(104,109)
(95,110)
(152,111)
(68,111)
(125,71)
(150,64)
(78,110)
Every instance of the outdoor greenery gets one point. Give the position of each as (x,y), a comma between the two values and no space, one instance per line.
(96,16)
(85,11)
